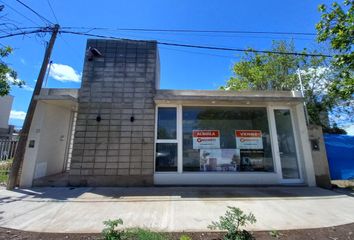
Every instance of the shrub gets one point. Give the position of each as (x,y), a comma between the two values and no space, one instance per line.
(232,222)
(185,237)
(275,234)
(110,232)
(144,234)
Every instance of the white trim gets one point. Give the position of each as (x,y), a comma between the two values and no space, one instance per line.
(179,139)
(274,142)
(207,178)
(166,140)
(295,136)
(309,171)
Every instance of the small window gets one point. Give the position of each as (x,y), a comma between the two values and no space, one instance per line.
(166,157)
(166,123)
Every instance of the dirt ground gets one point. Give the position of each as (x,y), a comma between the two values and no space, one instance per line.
(343,183)
(332,233)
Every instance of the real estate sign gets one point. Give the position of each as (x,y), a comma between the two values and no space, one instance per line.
(248,139)
(204,139)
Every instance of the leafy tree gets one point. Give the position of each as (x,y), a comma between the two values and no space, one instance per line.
(337,27)
(272,71)
(7,75)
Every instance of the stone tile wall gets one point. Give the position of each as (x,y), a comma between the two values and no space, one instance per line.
(117,87)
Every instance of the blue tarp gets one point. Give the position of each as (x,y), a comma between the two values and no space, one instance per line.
(340,154)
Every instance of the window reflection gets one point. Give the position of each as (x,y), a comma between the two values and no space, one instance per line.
(249,150)
(166,123)
(166,157)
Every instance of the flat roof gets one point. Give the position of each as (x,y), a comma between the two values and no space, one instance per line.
(66,97)
(194,96)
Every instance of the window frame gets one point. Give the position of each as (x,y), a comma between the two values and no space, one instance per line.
(296,132)
(177,140)
(271,126)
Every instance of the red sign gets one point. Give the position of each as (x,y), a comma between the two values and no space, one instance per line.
(206,133)
(248,133)
(249,139)
(206,139)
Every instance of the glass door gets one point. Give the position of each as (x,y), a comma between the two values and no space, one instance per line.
(287,146)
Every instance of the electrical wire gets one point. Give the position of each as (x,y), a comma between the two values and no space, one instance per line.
(175,44)
(199,53)
(51,8)
(205,46)
(45,20)
(195,31)
(13,9)
(26,33)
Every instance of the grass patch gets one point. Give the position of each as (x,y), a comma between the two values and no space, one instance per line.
(5,166)
(145,234)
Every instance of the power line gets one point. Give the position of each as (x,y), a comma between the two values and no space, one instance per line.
(244,50)
(195,31)
(200,53)
(51,8)
(176,44)
(13,9)
(26,33)
(232,36)
(206,47)
(72,48)
(45,20)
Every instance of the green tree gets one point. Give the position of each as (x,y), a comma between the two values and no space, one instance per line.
(272,71)
(337,27)
(8,76)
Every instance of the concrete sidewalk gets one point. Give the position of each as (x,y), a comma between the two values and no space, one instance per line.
(171,208)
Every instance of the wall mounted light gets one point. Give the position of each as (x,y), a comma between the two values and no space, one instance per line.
(92,53)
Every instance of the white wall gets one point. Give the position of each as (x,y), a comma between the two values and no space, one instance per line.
(50,129)
(54,136)
(5,109)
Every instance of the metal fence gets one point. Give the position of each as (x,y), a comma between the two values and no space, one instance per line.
(7,152)
(7,149)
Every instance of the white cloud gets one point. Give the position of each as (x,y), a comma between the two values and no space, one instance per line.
(17,115)
(64,73)
(27,88)
(23,61)
(11,80)
(350,130)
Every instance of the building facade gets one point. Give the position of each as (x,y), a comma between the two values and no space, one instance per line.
(6,130)
(128,132)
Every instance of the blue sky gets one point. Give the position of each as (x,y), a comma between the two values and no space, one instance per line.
(180,68)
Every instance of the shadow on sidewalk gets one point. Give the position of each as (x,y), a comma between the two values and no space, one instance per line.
(204,193)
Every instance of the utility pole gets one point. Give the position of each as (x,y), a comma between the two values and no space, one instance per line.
(21,147)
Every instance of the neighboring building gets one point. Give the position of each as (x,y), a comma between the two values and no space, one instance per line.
(6,130)
(128,132)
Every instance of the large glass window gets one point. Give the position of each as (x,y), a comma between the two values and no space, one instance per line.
(286,142)
(166,143)
(166,123)
(226,139)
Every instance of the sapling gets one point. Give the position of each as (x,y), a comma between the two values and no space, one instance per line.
(233,221)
